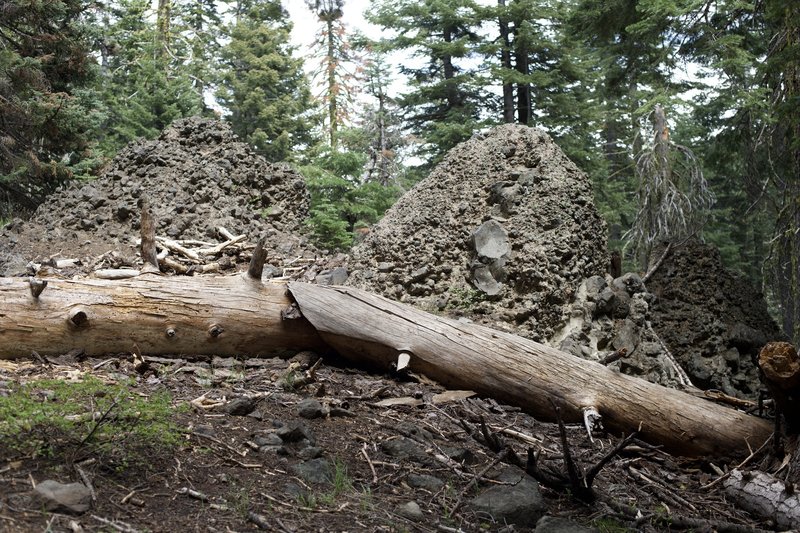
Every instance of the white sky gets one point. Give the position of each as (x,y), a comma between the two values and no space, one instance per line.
(306,23)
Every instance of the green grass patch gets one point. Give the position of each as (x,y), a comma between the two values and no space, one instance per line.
(67,419)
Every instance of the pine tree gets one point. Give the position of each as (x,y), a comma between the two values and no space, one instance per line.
(443,106)
(44,115)
(749,130)
(144,85)
(262,85)
(629,44)
(381,135)
(338,65)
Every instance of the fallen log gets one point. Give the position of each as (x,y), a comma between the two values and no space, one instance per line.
(161,315)
(765,496)
(366,328)
(240,315)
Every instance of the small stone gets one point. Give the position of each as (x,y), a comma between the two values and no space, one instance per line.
(318,470)
(294,432)
(240,406)
(411,510)
(404,448)
(310,452)
(517,502)
(310,408)
(268,439)
(425,482)
(205,430)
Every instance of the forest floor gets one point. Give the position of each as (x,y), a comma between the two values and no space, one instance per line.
(267,444)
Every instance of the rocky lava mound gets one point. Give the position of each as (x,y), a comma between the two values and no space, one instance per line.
(197,176)
(711,318)
(504,231)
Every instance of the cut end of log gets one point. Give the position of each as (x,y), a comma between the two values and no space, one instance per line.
(780,364)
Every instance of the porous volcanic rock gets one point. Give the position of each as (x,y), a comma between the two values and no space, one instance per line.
(711,318)
(196,175)
(502,232)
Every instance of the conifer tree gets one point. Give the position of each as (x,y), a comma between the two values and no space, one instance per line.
(262,85)
(442,107)
(144,85)
(45,116)
(338,65)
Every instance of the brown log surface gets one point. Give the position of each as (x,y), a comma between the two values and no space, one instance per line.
(371,329)
(160,315)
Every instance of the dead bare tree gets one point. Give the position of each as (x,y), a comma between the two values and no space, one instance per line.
(673,195)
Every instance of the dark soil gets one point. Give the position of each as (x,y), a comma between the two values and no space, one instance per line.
(247,485)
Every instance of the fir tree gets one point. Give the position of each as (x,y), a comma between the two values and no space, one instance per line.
(45,116)
(262,85)
(443,106)
(144,84)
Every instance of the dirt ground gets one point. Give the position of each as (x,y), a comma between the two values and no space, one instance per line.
(229,473)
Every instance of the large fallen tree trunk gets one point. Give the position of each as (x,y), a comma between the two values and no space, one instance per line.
(370,329)
(159,315)
(239,315)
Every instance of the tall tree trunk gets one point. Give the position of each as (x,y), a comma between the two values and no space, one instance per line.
(505,61)
(523,67)
(198,52)
(383,175)
(162,28)
(333,90)
(451,91)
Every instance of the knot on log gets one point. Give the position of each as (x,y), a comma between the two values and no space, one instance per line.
(215,330)
(170,332)
(78,318)
(291,313)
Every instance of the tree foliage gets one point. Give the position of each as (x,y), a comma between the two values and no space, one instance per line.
(45,112)
(143,84)
(443,104)
(262,84)
(590,72)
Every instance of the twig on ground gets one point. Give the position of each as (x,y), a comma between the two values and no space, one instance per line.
(116,524)
(369,462)
(86,480)
(725,476)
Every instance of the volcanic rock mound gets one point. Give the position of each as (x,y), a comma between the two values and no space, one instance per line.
(502,231)
(711,318)
(196,176)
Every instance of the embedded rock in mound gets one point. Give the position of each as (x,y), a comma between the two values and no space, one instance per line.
(503,231)
(196,176)
(712,319)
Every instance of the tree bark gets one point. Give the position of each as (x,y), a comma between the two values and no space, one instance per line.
(765,496)
(505,61)
(160,315)
(369,329)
